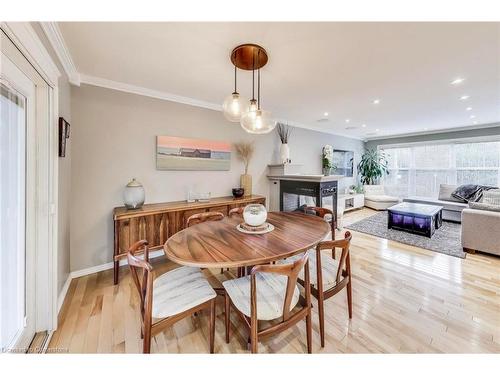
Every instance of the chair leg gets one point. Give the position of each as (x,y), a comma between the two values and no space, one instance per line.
(211,325)
(309,332)
(227,316)
(321,313)
(146,345)
(349,298)
(253,338)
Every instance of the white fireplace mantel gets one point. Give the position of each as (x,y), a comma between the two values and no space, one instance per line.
(306,177)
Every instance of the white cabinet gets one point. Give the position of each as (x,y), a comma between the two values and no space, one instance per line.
(349,202)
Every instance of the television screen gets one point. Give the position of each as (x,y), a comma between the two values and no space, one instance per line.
(343,161)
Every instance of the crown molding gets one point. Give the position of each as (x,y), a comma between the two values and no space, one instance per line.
(53,33)
(439,131)
(139,90)
(27,41)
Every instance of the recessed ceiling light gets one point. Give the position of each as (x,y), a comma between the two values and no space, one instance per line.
(376,101)
(426,128)
(325,114)
(457,81)
(347,120)
(468,109)
(377,130)
(472,116)
(464,97)
(363,126)
(474,122)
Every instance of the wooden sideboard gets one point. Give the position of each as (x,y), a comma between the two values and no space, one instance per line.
(158,221)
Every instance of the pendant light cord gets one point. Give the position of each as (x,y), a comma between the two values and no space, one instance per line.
(235,89)
(258,83)
(253,76)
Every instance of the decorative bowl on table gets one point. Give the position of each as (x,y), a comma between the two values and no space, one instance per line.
(238,192)
(255,215)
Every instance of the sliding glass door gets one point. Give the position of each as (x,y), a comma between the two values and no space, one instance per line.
(17,93)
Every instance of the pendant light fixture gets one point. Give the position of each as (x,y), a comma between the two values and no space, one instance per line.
(234,105)
(253,119)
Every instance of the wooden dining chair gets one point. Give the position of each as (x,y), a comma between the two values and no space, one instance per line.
(270,293)
(328,275)
(323,212)
(237,211)
(170,297)
(204,216)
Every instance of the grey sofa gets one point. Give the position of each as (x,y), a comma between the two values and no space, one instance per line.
(452,207)
(481,230)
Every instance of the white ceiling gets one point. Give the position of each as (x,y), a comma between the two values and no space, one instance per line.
(339,68)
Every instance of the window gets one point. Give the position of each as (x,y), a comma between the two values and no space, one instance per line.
(418,170)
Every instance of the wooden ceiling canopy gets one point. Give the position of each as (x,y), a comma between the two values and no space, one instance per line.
(249,56)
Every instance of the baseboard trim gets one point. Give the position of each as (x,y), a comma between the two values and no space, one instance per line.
(62,294)
(108,266)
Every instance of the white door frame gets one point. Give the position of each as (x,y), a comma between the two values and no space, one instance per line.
(29,44)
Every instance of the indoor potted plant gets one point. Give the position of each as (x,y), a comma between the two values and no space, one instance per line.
(327,160)
(372,166)
(244,152)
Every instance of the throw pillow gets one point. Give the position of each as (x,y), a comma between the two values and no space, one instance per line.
(466,193)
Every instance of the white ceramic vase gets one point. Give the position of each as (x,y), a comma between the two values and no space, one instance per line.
(133,195)
(284,153)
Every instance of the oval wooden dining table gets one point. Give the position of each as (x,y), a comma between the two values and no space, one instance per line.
(218,244)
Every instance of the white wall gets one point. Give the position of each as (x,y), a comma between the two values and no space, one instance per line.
(113,137)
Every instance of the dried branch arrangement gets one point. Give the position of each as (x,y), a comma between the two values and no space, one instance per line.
(244,152)
(283,131)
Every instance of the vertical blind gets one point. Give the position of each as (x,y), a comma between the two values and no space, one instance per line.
(418,170)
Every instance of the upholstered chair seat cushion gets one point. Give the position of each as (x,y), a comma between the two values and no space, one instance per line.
(329,267)
(179,290)
(271,290)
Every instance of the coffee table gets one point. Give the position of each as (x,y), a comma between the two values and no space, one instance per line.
(422,219)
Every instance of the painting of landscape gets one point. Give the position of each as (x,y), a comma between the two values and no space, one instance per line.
(189,154)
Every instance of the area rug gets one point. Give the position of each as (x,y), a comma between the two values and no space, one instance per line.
(445,240)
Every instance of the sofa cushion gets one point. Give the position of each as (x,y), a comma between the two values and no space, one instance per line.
(381,198)
(447,205)
(373,190)
(484,206)
(445,192)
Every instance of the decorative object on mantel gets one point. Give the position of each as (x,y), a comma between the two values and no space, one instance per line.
(244,152)
(64,127)
(327,160)
(133,195)
(284,133)
(190,154)
(252,118)
(238,192)
(372,166)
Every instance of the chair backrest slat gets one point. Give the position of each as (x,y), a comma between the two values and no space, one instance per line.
(291,271)
(204,216)
(144,286)
(343,244)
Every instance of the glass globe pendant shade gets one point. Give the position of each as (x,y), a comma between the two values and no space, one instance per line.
(257,122)
(234,106)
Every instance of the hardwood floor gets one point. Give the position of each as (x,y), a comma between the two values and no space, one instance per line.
(406,300)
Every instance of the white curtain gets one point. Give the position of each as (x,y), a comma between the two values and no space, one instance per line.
(418,170)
